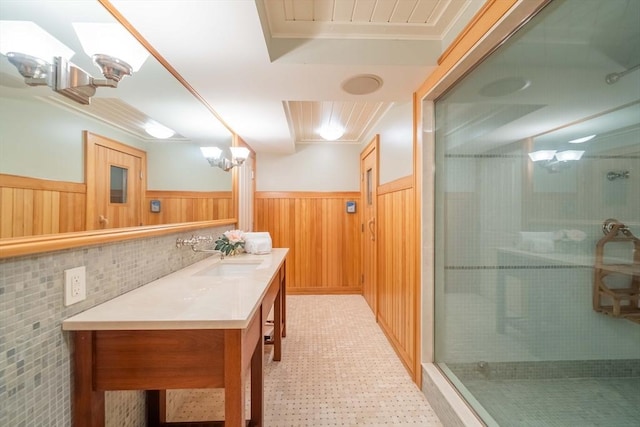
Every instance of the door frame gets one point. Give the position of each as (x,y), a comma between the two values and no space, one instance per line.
(371,147)
(91,140)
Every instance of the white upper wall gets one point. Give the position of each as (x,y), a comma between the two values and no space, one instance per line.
(41,141)
(396,143)
(313,167)
(181,167)
(336,167)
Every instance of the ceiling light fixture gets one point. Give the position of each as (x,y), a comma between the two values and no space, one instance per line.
(215,158)
(569,155)
(159,131)
(331,132)
(505,86)
(540,155)
(332,129)
(554,161)
(583,139)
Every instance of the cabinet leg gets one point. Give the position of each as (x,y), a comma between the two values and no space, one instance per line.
(88,404)
(257,384)
(277,328)
(156,407)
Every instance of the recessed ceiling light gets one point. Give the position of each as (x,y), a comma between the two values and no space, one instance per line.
(505,86)
(331,133)
(159,131)
(583,139)
(362,84)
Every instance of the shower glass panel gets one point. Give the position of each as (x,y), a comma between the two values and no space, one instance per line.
(535,149)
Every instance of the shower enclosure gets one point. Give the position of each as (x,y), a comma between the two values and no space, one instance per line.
(535,149)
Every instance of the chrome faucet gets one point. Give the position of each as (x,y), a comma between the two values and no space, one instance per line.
(195,241)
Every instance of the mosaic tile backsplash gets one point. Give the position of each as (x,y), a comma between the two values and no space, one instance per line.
(35,371)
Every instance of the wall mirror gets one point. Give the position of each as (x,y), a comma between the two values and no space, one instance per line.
(41,130)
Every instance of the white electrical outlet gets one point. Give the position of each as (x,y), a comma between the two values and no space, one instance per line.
(75,287)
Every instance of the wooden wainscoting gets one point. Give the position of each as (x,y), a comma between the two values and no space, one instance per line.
(398,292)
(323,239)
(32,206)
(188,206)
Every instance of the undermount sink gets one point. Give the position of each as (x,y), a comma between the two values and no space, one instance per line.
(230,269)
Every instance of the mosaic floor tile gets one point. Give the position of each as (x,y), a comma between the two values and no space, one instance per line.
(338,369)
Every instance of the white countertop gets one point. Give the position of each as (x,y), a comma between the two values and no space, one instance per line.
(187,300)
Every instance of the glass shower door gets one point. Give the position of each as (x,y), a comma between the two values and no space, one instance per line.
(535,149)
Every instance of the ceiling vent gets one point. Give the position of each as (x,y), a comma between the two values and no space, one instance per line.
(362,84)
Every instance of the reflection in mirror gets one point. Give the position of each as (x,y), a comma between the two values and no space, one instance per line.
(42,161)
(605,141)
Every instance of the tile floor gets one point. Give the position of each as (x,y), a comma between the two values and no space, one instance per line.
(338,369)
(583,402)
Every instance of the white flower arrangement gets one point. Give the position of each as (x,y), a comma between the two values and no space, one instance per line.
(231,242)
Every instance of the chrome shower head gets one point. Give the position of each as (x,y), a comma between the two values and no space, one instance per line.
(614,77)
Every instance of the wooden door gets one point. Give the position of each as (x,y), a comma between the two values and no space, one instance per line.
(369,184)
(116,179)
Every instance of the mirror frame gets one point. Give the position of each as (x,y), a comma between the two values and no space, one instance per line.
(21,246)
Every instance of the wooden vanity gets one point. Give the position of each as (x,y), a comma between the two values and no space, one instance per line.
(190,329)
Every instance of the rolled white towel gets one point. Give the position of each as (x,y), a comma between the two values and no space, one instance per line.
(539,242)
(571,235)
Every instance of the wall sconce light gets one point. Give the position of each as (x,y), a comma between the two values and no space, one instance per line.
(112,48)
(215,158)
(540,155)
(24,44)
(28,47)
(554,161)
(569,155)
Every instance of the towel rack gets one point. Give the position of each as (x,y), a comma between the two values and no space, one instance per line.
(623,301)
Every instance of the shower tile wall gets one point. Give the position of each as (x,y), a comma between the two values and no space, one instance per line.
(624,368)
(546,303)
(35,372)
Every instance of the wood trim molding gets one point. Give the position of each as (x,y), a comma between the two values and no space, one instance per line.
(38,244)
(188,194)
(127,25)
(373,144)
(325,291)
(41,184)
(417,194)
(369,248)
(479,26)
(404,183)
(492,25)
(306,194)
(464,34)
